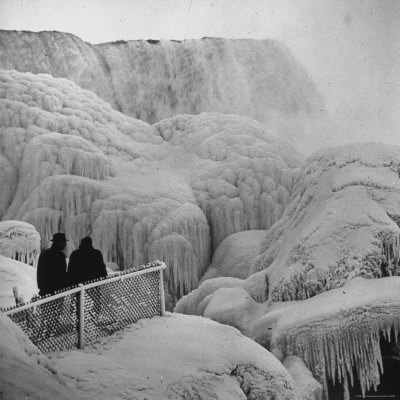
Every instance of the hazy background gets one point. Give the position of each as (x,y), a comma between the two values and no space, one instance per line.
(351,48)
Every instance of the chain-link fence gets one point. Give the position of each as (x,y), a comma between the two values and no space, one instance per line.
(80,315)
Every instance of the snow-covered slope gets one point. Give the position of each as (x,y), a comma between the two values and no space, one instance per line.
(174,357)
(25,373)
(172,191)
(153,80)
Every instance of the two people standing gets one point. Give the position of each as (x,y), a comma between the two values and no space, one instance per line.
(85,264)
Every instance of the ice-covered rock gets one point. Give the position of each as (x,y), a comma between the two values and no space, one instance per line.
(153,80)
(25,373)
(20,241)
(337,330)
(176,357)
(14,273)
(341,222)
(142,192)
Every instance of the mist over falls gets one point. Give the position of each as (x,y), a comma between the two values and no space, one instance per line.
(153,80)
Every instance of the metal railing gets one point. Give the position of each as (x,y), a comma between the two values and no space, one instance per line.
(78,316)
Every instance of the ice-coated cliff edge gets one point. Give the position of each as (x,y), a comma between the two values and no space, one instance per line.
(153,80)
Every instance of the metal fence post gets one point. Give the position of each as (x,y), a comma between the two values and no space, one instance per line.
(162,295)
(81,333)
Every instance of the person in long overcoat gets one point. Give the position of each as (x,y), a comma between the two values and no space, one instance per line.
(52,267)
(86,263)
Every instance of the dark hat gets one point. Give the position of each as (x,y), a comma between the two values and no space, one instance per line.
(59,237)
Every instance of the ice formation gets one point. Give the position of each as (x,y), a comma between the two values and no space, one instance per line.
(234,256)
(248,185)
(20,241)
(156,80)
(336,331)
(142,192)
(306,386)
(340,226)
(341,222)
(14,273)
(333,332)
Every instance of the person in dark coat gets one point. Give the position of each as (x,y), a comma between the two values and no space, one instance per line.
(52,267)
(86,263)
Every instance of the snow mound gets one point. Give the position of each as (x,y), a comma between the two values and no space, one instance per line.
(20,241)
(176,357)
(341,222)
(24,371)
(73,164)
(15,273)
(234,256)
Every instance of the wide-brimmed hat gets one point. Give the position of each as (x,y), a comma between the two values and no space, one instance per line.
(59,237)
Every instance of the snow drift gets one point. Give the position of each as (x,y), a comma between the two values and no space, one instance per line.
(153,80)
(172,191)
(178,357)
(24,371)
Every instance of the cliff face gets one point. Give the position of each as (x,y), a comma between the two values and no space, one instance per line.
(152,80)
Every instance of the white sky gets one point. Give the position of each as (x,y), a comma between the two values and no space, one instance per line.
(351,48)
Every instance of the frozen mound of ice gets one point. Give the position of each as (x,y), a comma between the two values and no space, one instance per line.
(15,273)
(234,256)
(73,164)
(20,241)
(156,80)
(306,386)
(248,185)
(341,222)
(337,330)
(25,373)
(334,333)
(177,357)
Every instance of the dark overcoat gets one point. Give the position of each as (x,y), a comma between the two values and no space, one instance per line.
(51,271)
(85,264)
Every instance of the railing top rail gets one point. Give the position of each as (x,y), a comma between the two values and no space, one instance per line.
(159,266)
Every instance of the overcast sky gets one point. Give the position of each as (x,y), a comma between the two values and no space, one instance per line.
(351,48)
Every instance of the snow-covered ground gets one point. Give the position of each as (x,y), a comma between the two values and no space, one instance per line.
(175,357)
